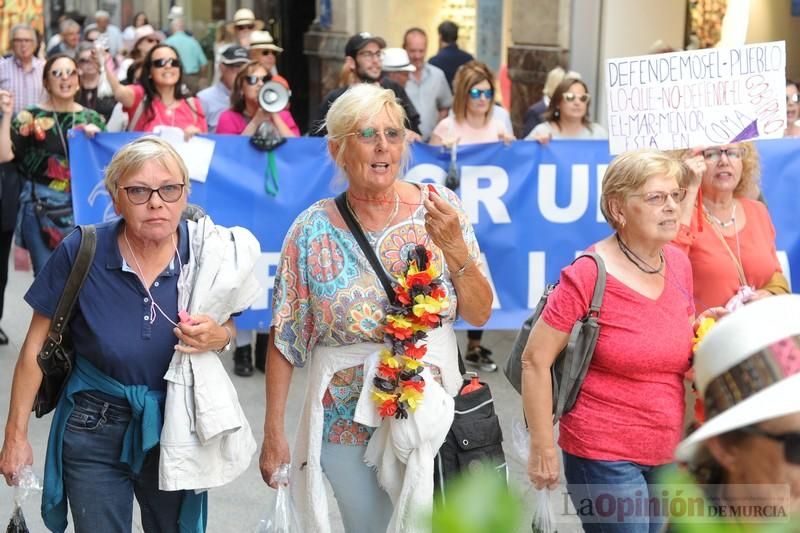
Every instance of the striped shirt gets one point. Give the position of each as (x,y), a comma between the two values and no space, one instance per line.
(26,86)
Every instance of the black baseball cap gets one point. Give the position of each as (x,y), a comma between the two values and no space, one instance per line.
(359,41)
(235,55)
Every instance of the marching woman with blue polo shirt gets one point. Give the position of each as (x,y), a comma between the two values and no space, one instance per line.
(104,440)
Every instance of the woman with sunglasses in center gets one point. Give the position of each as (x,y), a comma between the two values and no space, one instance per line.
(38,138)
(157,99)
(472,122)
(245,114)
(567,116)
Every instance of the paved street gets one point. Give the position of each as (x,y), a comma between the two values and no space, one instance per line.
(239,506)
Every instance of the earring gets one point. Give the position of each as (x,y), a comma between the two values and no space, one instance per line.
(622,224)
(557,113)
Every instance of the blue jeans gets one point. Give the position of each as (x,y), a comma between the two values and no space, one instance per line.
(365,507)
(612,496)
(100,489)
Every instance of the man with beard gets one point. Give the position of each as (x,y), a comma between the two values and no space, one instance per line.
(364,58)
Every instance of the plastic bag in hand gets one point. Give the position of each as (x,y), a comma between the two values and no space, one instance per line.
(544,520)
(26,482)
(282,519)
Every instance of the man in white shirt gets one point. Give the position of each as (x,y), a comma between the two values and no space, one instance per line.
(217,98)
(427,86)
(110,35)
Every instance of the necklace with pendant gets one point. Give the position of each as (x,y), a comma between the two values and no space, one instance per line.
(713,218)
(388,220)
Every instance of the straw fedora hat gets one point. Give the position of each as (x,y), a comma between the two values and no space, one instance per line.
(262,40)
(245,17)
(747,369)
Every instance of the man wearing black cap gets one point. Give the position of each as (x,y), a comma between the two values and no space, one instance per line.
(364,61)
(217,98)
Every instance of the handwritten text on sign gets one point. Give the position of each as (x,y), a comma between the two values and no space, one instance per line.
(697,98)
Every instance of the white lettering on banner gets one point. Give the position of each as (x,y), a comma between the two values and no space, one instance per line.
(601,172)
(426,172)
(488,273)
(579,199)
(264,270)
(696,98)
(536,277)
(472,195)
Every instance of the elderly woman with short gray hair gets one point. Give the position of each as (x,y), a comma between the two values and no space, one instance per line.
(634,386)
(125,328)
(330,311)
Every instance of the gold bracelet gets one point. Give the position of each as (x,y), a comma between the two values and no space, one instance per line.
(460,272)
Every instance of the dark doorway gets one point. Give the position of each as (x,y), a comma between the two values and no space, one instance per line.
(287,21)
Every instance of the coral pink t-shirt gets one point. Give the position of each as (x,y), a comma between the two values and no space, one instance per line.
(181,116)
(716,278)
(631,404)
(233,123)
(449,129)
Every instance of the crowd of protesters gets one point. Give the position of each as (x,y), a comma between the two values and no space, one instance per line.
(666,274)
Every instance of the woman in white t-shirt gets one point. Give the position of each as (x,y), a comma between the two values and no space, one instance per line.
(471,121)
(567,116)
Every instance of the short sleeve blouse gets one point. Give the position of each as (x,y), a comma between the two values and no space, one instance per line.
(327,293)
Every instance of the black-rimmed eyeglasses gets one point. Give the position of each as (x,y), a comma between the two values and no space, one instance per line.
(139,195)
(790,440)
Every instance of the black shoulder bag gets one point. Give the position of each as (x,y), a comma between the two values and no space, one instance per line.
(57,357)
(475,435)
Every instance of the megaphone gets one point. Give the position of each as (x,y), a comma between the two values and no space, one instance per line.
(273,97)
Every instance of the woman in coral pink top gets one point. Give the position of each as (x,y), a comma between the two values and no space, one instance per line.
(729,238)
(245,115)
(628,417)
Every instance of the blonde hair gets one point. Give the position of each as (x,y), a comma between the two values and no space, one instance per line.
(132,157)
(468,76)
(628,172)
(357,105)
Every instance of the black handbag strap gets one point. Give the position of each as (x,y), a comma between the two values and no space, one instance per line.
(77,275)
(369,252)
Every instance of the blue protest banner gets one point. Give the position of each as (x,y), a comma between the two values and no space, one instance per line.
(533,207)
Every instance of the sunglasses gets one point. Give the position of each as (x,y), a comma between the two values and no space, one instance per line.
(167,62)
(370,135)
(791,442)
(246,27)
(570,97)
(63,72)
(659,198)
(89,40)
(715,154)
(476,94)
(793,98)
(253,79)
(268,53)
(138,195)
(84,60)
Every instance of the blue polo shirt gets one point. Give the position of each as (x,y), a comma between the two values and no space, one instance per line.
(110,325)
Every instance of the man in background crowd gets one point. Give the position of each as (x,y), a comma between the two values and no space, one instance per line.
(450,56)
(70,32)
(109,34)
(364,58)
(427,86)
(217,98)
(193,59)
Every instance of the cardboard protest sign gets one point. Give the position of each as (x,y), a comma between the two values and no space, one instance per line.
(697,98)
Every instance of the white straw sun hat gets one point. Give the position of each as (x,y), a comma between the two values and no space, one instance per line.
(747,369)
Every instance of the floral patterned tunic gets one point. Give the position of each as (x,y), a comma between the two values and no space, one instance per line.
(327,293)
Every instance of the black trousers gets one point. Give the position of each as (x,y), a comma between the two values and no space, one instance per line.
(9,205)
